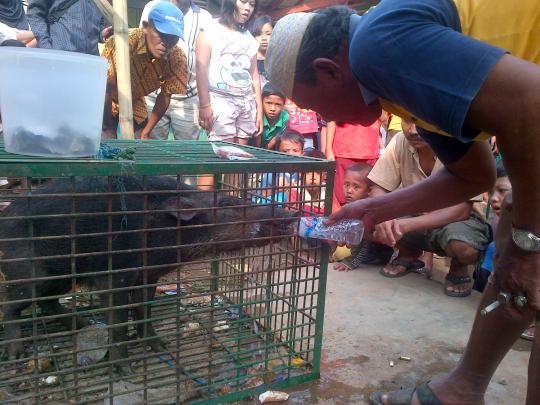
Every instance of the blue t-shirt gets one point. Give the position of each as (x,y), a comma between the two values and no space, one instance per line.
(411,56)
(489,254)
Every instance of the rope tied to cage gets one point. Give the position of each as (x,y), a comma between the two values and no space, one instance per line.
(127,158)
(107,151)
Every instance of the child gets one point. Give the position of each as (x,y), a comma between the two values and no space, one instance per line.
(275,117)
(262,31)
(349,144)
(311,200)
(356,187)
(290,142)
(228,83)
(500,190)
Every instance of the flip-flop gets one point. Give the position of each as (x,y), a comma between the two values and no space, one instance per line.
(404,397)
(528,334)
(410,266)
(456,280)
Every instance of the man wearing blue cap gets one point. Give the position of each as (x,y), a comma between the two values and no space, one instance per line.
(182,117)
(156,63)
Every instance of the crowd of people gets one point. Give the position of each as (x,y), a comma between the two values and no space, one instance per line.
(198,77)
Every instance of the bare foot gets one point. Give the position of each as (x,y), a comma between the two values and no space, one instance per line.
(341,267)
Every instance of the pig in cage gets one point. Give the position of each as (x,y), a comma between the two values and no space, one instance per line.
(129,282)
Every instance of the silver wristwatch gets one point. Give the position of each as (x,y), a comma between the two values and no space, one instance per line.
(526,240)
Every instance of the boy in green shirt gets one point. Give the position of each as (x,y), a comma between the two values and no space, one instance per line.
(275,117)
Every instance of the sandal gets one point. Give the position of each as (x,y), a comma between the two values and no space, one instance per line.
(456,280)
(409,265)
(528,334)
(404,397)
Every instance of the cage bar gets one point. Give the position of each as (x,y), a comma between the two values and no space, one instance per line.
(121,284)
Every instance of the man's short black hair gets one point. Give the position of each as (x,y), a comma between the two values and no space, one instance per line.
(269,90)
(290,136)
(324,36)
(228,9)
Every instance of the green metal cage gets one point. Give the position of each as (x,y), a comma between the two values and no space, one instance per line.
(236,310)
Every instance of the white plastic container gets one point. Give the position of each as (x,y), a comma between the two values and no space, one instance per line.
(51,101)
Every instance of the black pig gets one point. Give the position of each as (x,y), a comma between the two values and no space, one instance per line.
(90,253)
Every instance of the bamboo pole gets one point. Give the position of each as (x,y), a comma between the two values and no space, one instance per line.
(123,76)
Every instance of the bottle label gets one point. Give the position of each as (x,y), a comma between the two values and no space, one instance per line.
(311,225)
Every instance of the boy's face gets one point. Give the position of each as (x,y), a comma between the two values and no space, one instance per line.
(501,188)
(292,148)
(355,186)
(272,106)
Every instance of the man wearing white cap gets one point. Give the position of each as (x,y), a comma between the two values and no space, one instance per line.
(458,69)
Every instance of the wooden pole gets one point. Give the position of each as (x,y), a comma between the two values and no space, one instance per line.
(123,76)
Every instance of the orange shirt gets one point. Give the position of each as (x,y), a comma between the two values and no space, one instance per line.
(147,73)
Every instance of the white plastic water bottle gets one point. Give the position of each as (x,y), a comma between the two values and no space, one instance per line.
(349,231)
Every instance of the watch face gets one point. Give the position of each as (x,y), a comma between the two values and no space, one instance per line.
(525,242)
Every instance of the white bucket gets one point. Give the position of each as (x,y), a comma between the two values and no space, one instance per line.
(51,101)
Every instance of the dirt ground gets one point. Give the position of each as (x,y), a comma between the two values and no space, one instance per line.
(371,320)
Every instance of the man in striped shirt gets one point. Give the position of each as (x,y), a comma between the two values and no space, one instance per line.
(156,63)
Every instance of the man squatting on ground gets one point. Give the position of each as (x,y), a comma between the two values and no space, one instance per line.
(155,63)
(459,232)
(463,68)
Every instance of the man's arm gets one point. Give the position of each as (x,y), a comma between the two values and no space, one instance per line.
(37,14)
(460,181)
(109,132)
(162,103)
(508,105)
(390,232)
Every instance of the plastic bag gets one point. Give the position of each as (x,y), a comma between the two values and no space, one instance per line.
(231,152)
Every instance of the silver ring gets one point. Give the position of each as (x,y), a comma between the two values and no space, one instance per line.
(504,298)
(520,300)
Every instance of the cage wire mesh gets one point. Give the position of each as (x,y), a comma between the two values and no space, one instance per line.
(120,284)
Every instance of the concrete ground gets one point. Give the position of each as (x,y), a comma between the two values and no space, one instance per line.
(371,320)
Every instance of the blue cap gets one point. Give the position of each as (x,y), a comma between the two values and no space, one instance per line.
(167,18)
